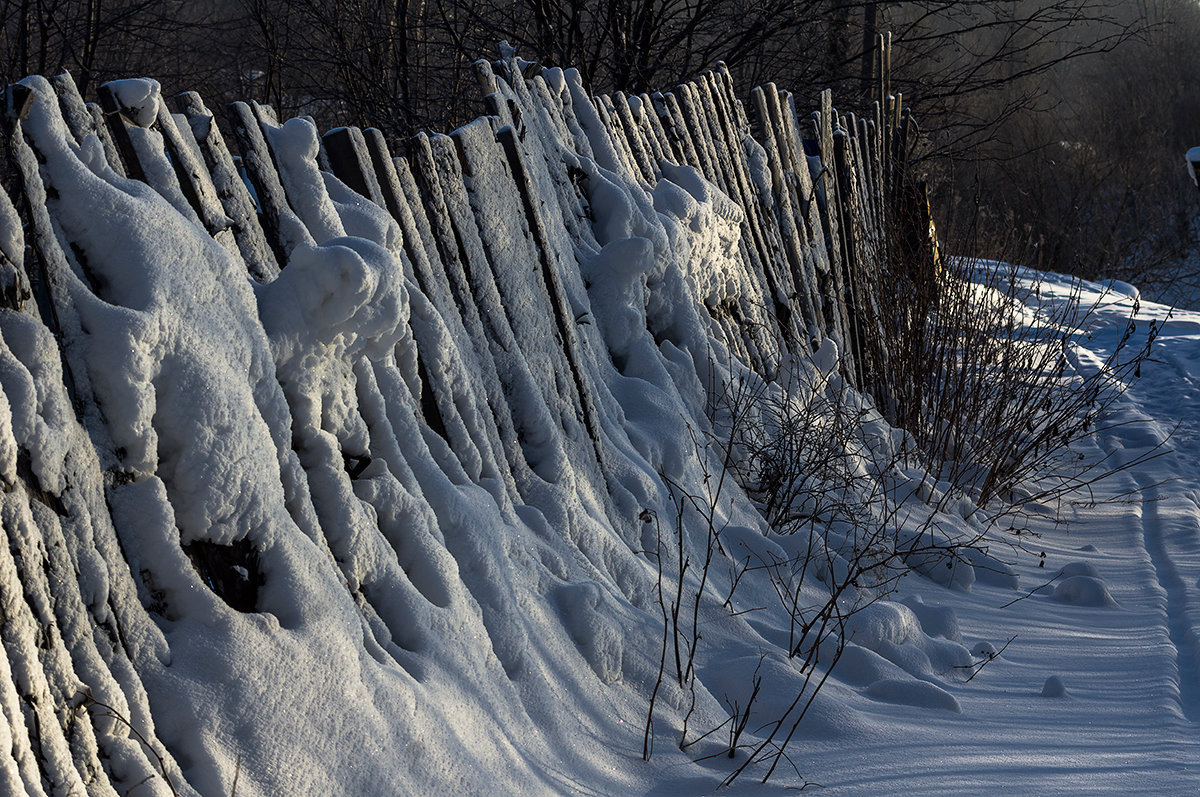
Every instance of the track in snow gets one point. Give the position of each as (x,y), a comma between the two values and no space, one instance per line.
(1170,516)
(1179,599)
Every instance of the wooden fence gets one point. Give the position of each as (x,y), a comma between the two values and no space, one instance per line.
(495,220)
(819,194)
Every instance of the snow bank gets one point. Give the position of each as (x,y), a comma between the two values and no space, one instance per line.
(446,501)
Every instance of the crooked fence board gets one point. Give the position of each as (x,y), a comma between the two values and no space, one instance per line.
(806,192)
(283,228)
(396,203)
(525,303)
(143,139)
(231,191)
(498,348)
(14,283)
(74,111)
(765,257)
(835,285)
(111,153)
(633,138)
(583,145)
(673,130)
(59,273)
(627,160)
(516,264)
(436,165)
(433,276)
(794,167)
(117,133)
(556,176)
(195,181)
(348,158)
(792,239)
(564,317)
(705,160)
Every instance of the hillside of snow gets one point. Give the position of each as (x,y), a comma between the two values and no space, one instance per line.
(343,531)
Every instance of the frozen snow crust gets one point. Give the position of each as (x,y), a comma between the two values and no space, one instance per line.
(395,516)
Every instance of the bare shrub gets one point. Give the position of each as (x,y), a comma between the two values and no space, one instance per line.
(982,371)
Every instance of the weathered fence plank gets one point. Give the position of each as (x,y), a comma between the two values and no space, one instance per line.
(812,223)
(350,161)
(231,191)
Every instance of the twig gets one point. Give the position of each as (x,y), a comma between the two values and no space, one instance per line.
(90,700)
(989,658)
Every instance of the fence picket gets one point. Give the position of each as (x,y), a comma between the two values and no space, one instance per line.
(813,212)
(283,228)
(231,191)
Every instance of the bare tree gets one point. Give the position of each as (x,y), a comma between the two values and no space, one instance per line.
(190,42)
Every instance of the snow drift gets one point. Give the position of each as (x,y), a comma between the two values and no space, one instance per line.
(400,516)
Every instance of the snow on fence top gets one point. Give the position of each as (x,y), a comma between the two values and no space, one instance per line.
(328,471)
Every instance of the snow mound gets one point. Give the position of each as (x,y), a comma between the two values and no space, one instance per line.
(1054,687)
(991,570)
(1084,591)
(1072,569)
(936,621)
(894,632)
(937,557)
(984,650)
(914,693)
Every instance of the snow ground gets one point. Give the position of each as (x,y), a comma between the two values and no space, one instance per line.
(1127,724)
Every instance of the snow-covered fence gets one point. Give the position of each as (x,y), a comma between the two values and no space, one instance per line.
(284,433)
(816,194)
